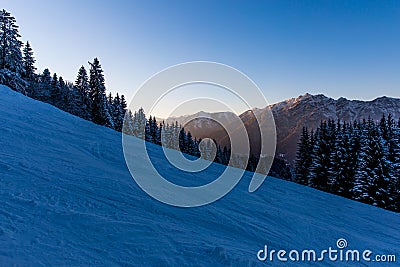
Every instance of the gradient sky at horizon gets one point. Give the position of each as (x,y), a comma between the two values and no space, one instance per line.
(338,48)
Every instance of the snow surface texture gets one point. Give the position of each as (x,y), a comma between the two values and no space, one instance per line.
(67,198)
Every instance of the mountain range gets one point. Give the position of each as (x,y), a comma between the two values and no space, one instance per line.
(290,117)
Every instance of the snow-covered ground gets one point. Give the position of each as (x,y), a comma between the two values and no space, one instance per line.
(67,198)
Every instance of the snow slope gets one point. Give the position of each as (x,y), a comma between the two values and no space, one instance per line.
(67,198)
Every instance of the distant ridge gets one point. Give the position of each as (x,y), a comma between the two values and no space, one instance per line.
(294,113)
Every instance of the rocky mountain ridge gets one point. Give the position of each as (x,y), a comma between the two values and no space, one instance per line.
(290,117)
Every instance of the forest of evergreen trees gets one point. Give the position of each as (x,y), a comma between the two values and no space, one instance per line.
(173,136)
(359,160)
(85,98)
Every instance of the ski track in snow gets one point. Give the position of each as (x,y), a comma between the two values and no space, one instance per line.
(67,198)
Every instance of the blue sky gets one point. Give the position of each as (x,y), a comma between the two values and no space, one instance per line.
(338,48)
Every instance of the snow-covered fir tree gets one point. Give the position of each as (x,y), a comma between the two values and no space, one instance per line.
(61,82)
(118,112)
(175,130)
(139,124)
(183,141)
(392,144)
(371,182)
(303,161)
(55,92)
(128,126)
(124,106)
(191,145)
(148,130)
(82,94)
(10,45)
(100,108)
(40,89)
(28,59)
(208,150)
(10,54)
(341,173)
(322,151)
(110,101)
(46,77)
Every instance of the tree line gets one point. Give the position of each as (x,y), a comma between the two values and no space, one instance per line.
(173,136)
(86,97)
(359,160)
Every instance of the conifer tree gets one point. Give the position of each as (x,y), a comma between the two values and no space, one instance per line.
(139,124)
(117,113)
(46,77)
(372,181)
(55,92)
(321,162)
(393,156)
(153,130)
(100,109)
(342,172)
(110,107)
(158,129)
(54,80)
(28,62)
(61,82)
(303,161)
(128,127)
(191,147)
(40,90)
(183,141)
(123,104)
(10,45)
(82,94)
(148,130)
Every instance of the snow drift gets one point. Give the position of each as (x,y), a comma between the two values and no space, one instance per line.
(67,198)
